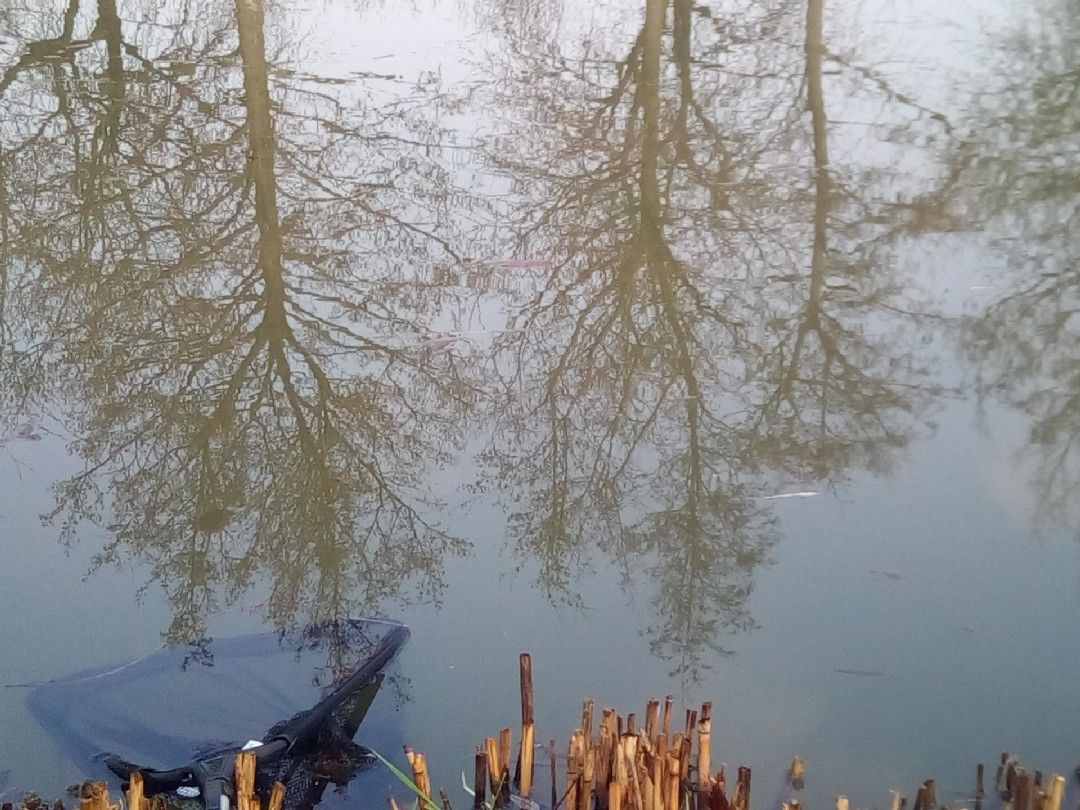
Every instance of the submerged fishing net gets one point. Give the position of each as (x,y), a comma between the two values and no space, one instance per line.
(171,707)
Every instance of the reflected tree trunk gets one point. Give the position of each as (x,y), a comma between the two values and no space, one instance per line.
(815,94)
(811,322)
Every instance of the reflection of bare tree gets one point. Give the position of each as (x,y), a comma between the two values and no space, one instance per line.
(226,310)
(1025,344)
(671,362)
(833,382)
(1017,174)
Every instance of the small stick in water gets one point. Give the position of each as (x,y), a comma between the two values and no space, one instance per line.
(797,773)
(554,778)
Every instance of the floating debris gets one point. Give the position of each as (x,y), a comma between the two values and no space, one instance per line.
(889,575)
(807,494)
(797,774)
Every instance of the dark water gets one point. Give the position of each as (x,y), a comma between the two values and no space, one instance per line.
(726,349)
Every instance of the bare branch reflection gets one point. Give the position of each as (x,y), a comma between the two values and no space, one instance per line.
(671,365)
(224,301)
(1016,173)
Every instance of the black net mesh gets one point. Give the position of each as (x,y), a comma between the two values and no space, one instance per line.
(171,708)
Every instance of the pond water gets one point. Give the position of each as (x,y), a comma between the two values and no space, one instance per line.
(722,349)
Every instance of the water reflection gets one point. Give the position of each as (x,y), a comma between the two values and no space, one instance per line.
(236,281)
(717,313)
(209,264)
(1016,172)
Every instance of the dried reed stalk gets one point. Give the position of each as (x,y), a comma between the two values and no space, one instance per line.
(246,798)
(137,793)
(528,729)
(493,769)
(652,720)
(1055,794)
(479,778)
(668,701)
(420,775)
(277,797)
(704,759)
(96,797)
(742,790)
(575,764)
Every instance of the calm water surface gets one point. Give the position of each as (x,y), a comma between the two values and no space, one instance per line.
(726,349)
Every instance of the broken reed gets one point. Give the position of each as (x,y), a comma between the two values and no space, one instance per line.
(615,765)
(1023,790)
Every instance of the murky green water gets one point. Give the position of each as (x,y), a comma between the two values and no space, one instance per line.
(727,349)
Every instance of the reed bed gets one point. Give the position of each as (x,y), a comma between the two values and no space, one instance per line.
(613,762)
(664,762)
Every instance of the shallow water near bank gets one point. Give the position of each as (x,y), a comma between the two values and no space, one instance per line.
(722,349)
